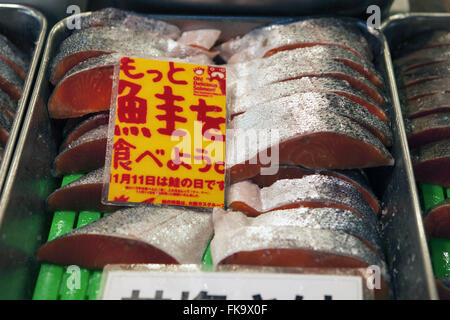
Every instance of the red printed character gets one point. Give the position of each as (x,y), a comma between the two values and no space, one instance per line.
(171,110)
(205,158)
(126,67)
(208,122)
(121,154)
(172,72)
(131,108)
(151,155)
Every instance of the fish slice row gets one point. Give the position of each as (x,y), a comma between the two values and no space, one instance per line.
(83,65)
(13,71)
(423,78)
(316,100)
(308,91)
(81,72)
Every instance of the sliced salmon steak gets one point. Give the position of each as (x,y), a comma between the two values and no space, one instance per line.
(82,194)
(84,154)
(135,235)
(7,103)
(427,129)
(437,220)
(316,54)
(426,105)
(308,32)
(278,72)
(354,177)
(94,42)
(129,20)
(6,123)
(92,82)
(247,100)
(428,87)
(315,218)
(423,74)
(238,241)
(324,102)
(315,191)
(10,81)
(422,57)
(314,140)
(14,57)
(85,126)
(431,163)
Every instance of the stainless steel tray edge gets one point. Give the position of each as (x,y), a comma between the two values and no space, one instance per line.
(387,27)
(25,171)
(28,85)
(405,265)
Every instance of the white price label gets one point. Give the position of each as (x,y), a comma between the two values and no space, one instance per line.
(173,285)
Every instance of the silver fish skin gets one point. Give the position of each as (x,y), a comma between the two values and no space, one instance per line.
(129,20)
(11,82)
(314,218)
(426,72)
(429,87)
(321,30)
(275,128)
(113,59)
(125,41)
(428,129)
(98,133)
(9,51)
(182,234)
(422,56)
(231,236)
(7,102)
(93,177)
(288,70)
(432,151)
(426,105)
(82,194)
(316,54)
(282,89)
(312,188)
(431,163)
(323,102)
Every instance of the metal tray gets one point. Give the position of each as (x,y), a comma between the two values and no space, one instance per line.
(353,8)
(26,220)
(397,29)
(26,28)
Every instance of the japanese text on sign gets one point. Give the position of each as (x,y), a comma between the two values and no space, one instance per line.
(169,134)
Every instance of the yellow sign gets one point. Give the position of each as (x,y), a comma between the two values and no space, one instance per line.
(169,135)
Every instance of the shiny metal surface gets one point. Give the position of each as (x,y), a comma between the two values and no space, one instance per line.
(405,228)
(26,28)
(25,220)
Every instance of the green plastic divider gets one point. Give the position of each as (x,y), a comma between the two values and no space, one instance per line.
(439,248)
(207,259)
(72,282)
(49,278)
(75,280)
(440,256)
(431,195)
